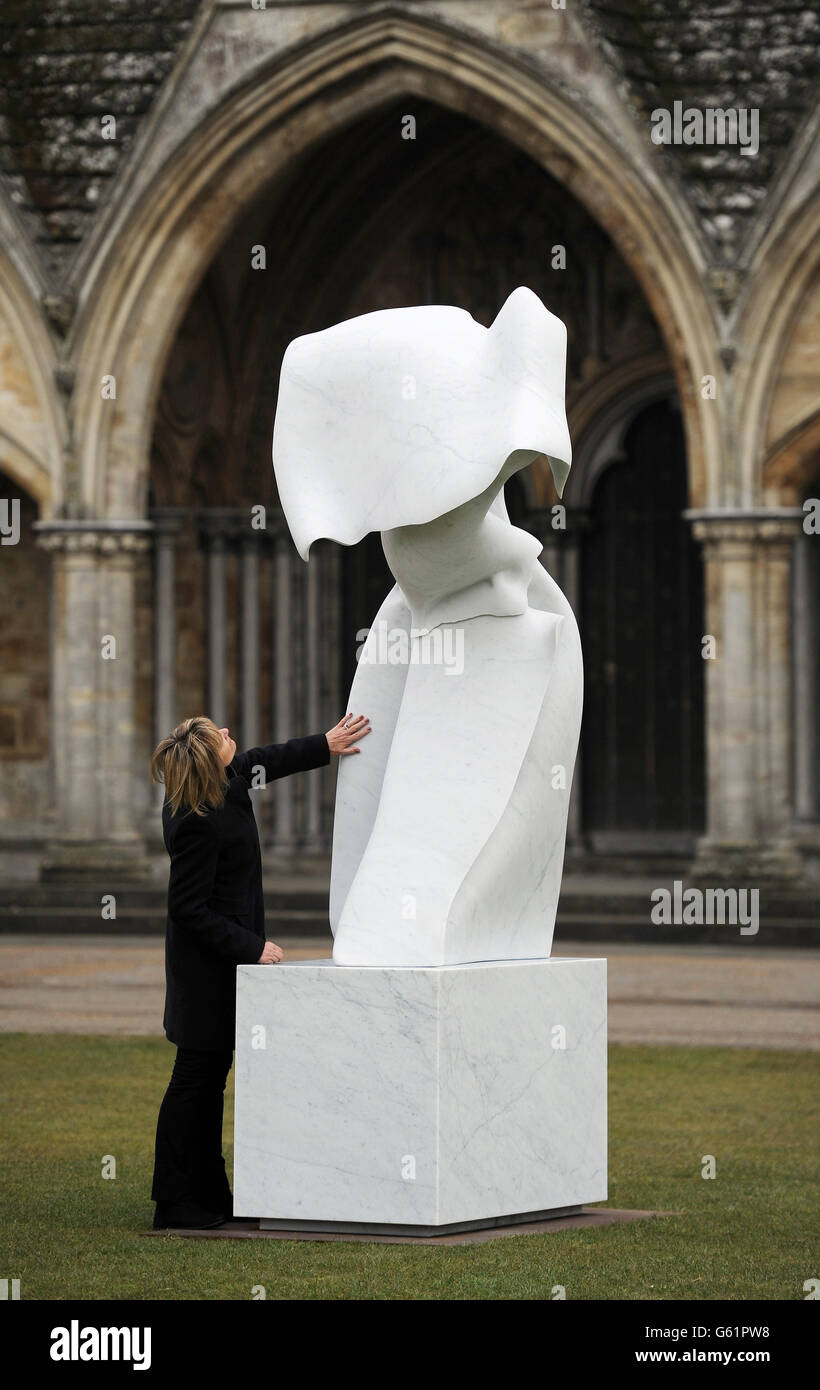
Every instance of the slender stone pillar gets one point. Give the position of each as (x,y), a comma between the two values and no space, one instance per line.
(747,558)
(249,694)
(92,700)
(284,837)
(166,527)
(595,305)
(215,549)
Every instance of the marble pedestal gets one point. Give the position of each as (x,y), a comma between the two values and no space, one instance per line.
(419,1099)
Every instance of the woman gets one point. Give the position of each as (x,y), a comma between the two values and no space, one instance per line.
(216,921)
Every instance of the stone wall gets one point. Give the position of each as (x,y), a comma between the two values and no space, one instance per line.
(25,786)
(714,272)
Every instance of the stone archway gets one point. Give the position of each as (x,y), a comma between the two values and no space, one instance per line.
(761,729)
(464,225)
(30,487)
(141,281)
(602,443)
(775,425)
(137,303)
(791,437)
(31,431)
(25,762)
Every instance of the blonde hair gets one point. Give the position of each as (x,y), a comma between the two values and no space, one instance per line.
(188,763)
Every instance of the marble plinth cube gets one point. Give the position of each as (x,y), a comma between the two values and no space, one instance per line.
(372,1097)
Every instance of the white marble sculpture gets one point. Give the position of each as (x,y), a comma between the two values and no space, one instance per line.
(449,1075)
(450,825)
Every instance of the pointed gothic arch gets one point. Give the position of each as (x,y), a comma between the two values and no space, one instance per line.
(137,298)
(30,413)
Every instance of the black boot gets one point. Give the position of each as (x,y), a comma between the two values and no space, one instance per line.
(185,1216)
(231,1220)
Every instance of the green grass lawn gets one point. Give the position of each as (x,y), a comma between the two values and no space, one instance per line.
(748,1233)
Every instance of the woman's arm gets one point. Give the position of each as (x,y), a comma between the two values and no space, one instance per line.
(282,759)
(302,754)
(193,865)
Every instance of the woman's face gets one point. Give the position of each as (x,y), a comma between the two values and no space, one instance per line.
(228,749)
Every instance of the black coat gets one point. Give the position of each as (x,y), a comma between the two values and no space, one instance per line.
(216,914)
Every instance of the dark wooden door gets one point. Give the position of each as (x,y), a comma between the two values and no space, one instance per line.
(642,605)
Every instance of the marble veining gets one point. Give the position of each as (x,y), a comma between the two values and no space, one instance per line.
(414,1096)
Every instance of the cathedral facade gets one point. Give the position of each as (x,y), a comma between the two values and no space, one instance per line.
(188,186)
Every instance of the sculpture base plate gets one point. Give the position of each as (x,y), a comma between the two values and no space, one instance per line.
(373,1228)
(419,1098)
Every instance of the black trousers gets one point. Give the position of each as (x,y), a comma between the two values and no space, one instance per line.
(188,1162)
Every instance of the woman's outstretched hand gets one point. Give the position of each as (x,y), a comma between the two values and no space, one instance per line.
(271,955)
(343,736)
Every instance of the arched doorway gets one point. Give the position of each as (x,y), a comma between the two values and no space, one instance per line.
(641,624)
(463,218)
(438,232)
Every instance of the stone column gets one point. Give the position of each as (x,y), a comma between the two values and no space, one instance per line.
(284,837)
(92,700)
(250,637)
(214,539)
(748,559)
(166,527)
(595,305)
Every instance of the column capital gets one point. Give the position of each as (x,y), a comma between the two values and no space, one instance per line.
(216,525)
(747,526)
(95,537)
(232,526)
(167,521)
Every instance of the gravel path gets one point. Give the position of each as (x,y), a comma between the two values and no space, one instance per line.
(703,995)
